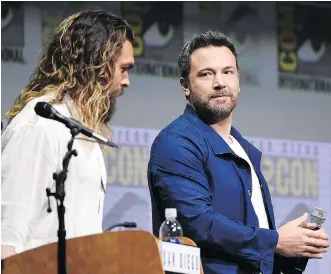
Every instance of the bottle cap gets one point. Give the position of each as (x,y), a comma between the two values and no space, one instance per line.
(171,213)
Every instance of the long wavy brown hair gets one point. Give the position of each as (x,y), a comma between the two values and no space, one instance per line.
(80,61)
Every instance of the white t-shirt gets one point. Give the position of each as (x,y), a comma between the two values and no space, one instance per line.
(256,198)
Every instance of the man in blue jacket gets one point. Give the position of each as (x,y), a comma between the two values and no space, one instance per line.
(202,166)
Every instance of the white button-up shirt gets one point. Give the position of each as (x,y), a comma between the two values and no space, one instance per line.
(32,150)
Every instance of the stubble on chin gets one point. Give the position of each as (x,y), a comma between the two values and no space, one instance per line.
(212,112)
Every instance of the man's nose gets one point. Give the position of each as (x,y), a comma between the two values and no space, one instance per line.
(125,81)
(219,81)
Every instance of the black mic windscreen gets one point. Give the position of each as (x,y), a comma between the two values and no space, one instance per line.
(43,109)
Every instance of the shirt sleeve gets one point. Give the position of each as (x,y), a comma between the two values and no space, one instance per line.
(179,178)
(29,159)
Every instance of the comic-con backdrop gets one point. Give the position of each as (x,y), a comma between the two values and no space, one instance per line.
(284,109)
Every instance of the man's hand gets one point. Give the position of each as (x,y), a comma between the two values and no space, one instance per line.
(7,251)
(297,239)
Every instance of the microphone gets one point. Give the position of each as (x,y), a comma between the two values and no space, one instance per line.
(125,224)
(46,110)
(318,216)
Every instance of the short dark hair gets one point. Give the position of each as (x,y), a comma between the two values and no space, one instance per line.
(204,39)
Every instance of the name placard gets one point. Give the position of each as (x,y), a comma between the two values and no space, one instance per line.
(180,258)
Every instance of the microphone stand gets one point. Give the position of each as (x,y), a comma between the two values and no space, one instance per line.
(59,195)
(125,224)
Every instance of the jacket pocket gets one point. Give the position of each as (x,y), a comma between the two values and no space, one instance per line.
(229,202)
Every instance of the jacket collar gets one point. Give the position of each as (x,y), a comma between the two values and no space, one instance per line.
(219,146)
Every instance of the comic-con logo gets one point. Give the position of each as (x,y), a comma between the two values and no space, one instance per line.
(241,25)
(304,47)
(154,24)
(12,32)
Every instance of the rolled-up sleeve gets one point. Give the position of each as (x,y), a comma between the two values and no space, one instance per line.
(29,158)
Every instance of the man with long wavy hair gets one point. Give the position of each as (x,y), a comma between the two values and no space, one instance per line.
(82,72)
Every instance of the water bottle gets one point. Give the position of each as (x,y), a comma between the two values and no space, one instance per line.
(171,230)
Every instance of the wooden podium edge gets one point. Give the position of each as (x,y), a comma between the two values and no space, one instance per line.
(130,251)
(109,252)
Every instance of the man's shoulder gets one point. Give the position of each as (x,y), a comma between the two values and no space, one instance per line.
(28,119)
(179,129)
(178,138)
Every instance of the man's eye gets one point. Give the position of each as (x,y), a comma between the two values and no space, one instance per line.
(229,72)
(204,74)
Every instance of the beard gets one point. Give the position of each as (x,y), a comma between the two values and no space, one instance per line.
(111,110)
(112,105)
(213,112)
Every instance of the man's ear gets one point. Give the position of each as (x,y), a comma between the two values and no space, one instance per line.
(185,86)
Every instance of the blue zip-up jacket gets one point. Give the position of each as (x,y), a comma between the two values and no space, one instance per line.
(193,169)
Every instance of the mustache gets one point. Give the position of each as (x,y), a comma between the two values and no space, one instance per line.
(121,92)
(222,93)
(115,94)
